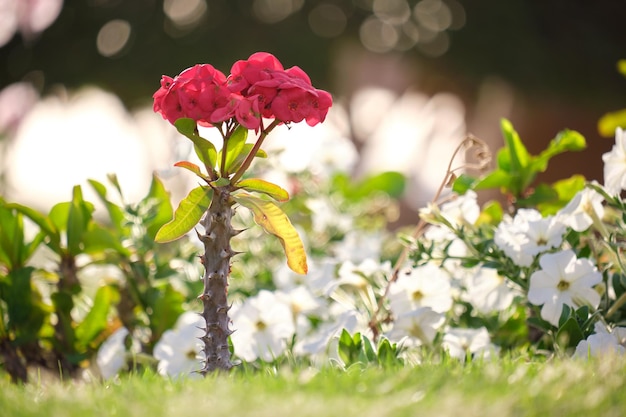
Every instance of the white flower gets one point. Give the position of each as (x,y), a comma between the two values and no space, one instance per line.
(300,300)
(563,279)
(461,342)
(357,246)
(615,165)
(462,210)
(317,341)
(602,342)
(528,234)
(488,291)
(262,326)
(179,350)
(424,286)
(321,274)
(418,326)
(581,211)
(111,355)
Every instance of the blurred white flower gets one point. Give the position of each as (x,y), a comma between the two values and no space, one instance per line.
(461,210)
(28,17)
(301,301)
(602,343)
(16,100)
(111,356)
(424,286)
(563,279)
(321,274)
(263,324)
(487,291)
(358,246)
(317,341)
(528,234)
(581,211)
(179,350)
(461,342)
(419,326)
(325,216)
(615,164)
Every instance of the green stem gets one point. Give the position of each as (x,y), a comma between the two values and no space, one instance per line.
(250,157)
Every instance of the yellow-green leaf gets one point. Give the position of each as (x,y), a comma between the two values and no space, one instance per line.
(191,167)
(187,215)
(265,187)
(273,220)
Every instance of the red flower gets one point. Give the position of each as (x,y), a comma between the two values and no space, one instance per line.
(196,93)
(257,87)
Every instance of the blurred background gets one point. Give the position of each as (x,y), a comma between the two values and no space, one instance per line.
(410,79)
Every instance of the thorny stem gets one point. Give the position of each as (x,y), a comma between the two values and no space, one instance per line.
(216,260)
(484,156)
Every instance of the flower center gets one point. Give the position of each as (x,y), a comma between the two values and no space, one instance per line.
(562,285)
(260,325)
(191,354)
(417,295)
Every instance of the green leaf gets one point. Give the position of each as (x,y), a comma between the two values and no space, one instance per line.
(463,183)
(495,179)
(11,238)
(165,304)
(569,333)
(25,310)
(611,121)
(247,148)
(204,149)
(163,210)
(566,140)
(96,319)
(265,187)
(98,239)
(390,183)
(542,193)
(79,217)
(193,168)
(491,213)
(565,190)
(220,182)
(273,220)
(116,213)
(187,215)
(517,152)
(234,147)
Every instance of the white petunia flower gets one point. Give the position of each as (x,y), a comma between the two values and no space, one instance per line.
(262,326)
(602,343)
(424,286)
(111,355)
(528,234)
(179,350)
(615,164)
(418,326)
(582,210)
(563,279)
(461,342)
(488,291)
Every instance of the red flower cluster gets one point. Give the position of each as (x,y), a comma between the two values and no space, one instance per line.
(257,87)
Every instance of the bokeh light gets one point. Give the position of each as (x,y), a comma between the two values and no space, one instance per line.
(273,11)
(327,20)
(113,37)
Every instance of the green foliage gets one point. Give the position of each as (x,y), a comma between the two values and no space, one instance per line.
(612,120)
(358,349)
(517,169)
(187,215)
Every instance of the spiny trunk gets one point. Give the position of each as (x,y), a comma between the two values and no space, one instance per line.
(216,260)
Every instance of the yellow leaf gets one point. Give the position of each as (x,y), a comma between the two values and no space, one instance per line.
(273,220)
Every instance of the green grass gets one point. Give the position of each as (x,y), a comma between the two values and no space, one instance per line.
(503,388)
